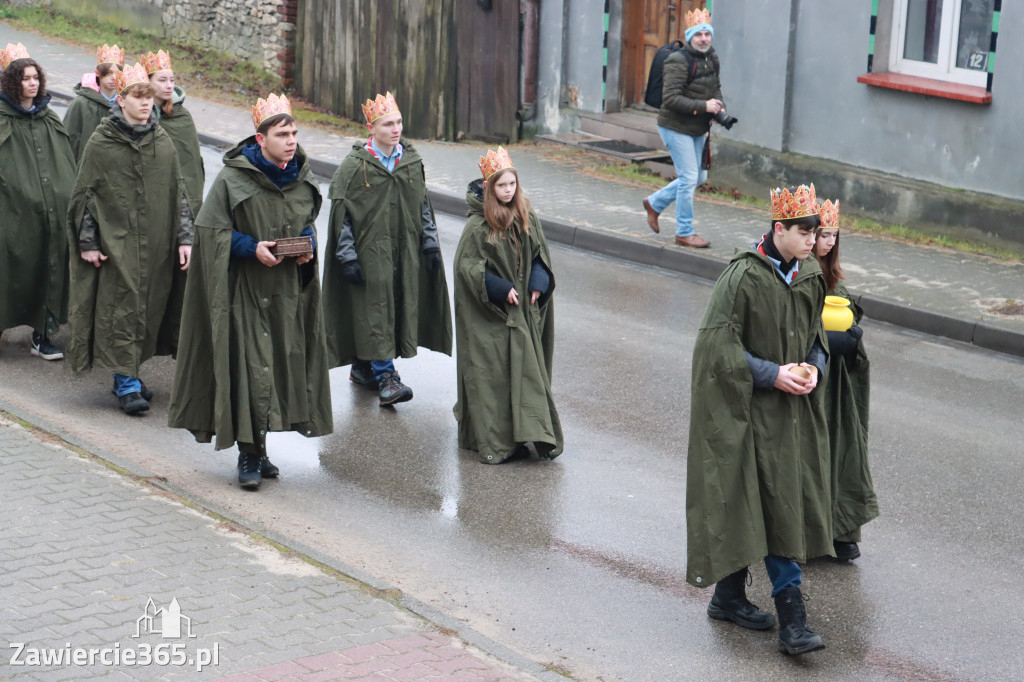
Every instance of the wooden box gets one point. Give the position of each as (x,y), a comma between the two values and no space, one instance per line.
(293,247)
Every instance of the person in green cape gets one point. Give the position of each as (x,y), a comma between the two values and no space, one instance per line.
(847,390)
(757,484)
(94,97)
(385,288)
(177,121)
(252,358)
(130,221)
(38,175)
(504,321)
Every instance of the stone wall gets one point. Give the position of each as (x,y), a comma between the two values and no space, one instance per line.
(262,31)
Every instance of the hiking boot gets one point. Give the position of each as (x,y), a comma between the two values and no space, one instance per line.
(133,403)
(268,469)
(392,390)
(794,636)
(845,551)
(42,347)
(730,602)
(144,392)
(362,373)
(249,465)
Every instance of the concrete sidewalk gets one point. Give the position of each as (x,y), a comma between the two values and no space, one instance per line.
(90,555)
(933,290)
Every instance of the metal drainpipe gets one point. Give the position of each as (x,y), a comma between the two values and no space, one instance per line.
(531,49)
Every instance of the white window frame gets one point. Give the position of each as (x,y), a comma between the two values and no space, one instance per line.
(945,68)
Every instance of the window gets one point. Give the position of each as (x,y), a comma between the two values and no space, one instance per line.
(942,39)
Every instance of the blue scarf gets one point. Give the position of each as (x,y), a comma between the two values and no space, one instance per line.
(277,175)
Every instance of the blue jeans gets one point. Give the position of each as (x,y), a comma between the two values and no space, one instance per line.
(687,153)
(782,572)
(125,384)
(379,367)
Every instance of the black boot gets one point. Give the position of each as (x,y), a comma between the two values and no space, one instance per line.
(845,551)
(268,469)
(249,470)
(794,635)
(730,603)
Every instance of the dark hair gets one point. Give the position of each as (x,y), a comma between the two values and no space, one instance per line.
(831,270)
(10,80)
(103,70)
(805,224)
(500,216)
(274,121)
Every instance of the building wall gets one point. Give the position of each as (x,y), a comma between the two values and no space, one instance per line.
(832,116)
(257,30)
(572,60)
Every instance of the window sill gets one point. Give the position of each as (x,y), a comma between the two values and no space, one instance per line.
(927,86)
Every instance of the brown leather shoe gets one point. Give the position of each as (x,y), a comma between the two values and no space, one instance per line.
(652,217)
(693,241)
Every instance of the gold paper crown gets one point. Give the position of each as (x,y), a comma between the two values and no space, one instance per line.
(130,75)
(495,161)
(161,61)
(697,17)
(109,54)
(269,107)
(382,106)
(786,205)
(11,53)
(829,213)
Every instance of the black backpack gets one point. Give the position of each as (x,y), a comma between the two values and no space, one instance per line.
(655,82)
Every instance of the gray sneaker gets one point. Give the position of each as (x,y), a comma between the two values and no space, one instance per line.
(392,390)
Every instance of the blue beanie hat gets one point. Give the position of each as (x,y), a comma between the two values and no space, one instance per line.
(693,30)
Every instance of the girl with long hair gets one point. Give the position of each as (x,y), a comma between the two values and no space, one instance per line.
(504,322)
(174,118)
(846,402)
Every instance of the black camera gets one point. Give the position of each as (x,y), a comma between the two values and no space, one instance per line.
(725,119)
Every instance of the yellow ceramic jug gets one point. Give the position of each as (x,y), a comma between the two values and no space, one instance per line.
(837,315)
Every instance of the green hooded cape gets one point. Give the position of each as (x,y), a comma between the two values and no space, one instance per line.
(83,116)
(38,173)
(127,310)
(182,129)
(402,305)
(758,475)
(846,407)
(252,353)
(505,352)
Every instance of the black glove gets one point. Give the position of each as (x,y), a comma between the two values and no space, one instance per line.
(845,343)
(433,259)
(352,271)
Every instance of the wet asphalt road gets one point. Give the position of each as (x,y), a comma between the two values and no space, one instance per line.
(579,563)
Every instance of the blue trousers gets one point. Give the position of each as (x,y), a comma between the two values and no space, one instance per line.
(125,384)
(782,572)
(379,367)
(687,153)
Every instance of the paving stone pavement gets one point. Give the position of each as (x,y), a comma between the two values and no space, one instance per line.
(97,564)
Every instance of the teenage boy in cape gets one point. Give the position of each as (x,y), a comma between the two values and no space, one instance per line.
(385,288)
(94,96)
(38,173)
(252,356)
(758,473)
(132,228)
